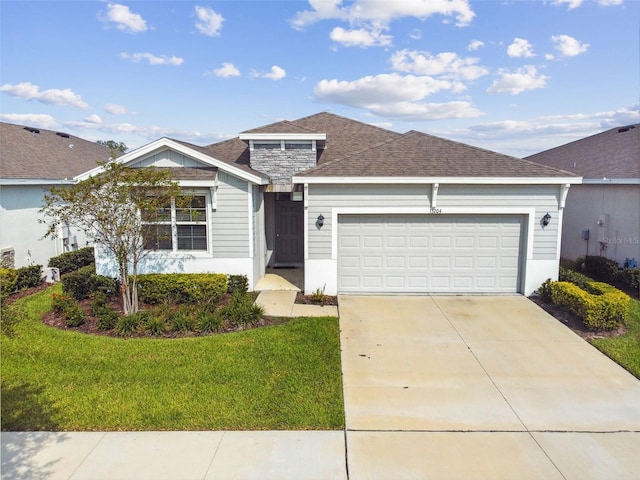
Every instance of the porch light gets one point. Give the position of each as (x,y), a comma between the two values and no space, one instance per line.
(546,219)
(320,221)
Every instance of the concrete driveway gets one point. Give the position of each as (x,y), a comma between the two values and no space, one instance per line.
(480,387)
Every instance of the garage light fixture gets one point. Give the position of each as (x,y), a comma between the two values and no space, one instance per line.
(320,221)
(546,219)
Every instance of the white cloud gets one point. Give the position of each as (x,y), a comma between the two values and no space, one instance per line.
(31,119)
(226,70)
(448,65)
(382,12)
(571,4)
(394,95)
(415,34)
(115,109)
(475,45)
(518,81)
(360,37)
(152,59)
(276,73)
(94,118)
(568,46)
(520,48)
(124,19)
(54,96)
(209,22)
(609,3)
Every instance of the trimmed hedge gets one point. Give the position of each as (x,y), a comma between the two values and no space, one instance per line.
(568,275)
(181,287)
(72,261)
(83,282)
(601,268)
(14,280)
(602,307)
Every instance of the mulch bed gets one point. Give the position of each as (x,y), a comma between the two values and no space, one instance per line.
(574,322)
(309,300)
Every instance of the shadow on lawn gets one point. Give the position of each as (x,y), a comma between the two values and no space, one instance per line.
(25,408)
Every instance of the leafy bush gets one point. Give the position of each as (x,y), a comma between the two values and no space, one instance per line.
(210,322)
(106,317)
(11,316)
(629,277)
(544,291)
(181,287)
(8,281)
(28,277)
(568,275)
(128,324)
(241,311)
(68,308)
(84,282)
(72,261)
(603,307)
(601,268)
(238,283)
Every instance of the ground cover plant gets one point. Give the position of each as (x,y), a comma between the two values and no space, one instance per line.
(277,377)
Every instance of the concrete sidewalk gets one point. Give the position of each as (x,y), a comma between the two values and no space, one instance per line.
(264,455)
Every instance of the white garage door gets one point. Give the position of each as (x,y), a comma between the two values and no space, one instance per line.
(428,253)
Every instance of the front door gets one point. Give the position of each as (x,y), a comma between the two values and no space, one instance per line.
(289,249)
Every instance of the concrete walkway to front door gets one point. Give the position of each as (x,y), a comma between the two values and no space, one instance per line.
(480,387)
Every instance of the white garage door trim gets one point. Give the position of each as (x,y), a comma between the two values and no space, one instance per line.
(427,255)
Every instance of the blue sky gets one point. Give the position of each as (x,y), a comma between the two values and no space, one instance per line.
(517,77)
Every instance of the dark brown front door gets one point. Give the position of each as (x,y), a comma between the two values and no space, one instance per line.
(289,232)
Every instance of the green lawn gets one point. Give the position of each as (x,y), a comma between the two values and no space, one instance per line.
(625,350)
(282,377)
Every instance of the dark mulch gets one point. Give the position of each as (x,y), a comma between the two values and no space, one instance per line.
(311,300)
(25,293)
(574,322)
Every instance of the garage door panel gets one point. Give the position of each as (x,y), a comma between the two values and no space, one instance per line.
(428,253)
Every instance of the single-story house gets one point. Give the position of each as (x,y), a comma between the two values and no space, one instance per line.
(602,215)
(360,208)
(32,160)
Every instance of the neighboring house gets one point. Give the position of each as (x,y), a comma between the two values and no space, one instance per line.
(360,208)
(32,160)
(602,216)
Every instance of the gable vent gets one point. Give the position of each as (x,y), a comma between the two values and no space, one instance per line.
(32,130)
(63,135)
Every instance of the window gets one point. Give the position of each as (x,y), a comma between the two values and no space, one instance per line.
(177,226)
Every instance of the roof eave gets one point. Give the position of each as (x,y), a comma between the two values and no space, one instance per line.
(440,180)
(36,181)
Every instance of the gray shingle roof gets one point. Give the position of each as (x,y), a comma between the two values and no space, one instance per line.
(614,153)
(46,155)
(416,154)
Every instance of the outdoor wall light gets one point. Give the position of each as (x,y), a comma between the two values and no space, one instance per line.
(320,221)
(546,219)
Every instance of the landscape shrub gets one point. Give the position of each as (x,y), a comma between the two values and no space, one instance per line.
(629,277)
(8,281)
(28,277)
(68,308)
(577,278)
(72,261)
(238,283)
(128,325)
(602,307)
(183,319)
(84,282)
(601,268)
(180,288)
(154,324)
(241,311)
(106,317)
(544,291)
(210,322)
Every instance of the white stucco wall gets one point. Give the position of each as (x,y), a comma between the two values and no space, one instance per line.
(20,229)
(618,209)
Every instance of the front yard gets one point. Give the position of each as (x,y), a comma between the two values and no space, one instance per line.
(281,377)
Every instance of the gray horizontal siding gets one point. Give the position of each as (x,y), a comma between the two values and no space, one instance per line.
(322,198)
(230,220)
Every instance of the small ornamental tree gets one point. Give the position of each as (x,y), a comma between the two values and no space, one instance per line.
(113,207)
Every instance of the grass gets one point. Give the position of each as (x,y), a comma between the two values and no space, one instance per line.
(283,377)
(625,350)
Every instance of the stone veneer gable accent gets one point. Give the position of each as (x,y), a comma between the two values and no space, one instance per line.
(282,165)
